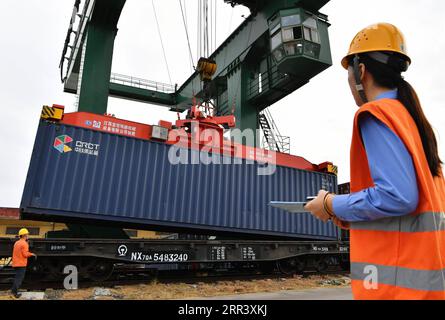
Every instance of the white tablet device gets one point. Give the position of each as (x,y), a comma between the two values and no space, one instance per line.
(291,207)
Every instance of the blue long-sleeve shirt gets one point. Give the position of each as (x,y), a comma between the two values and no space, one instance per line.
(392,169)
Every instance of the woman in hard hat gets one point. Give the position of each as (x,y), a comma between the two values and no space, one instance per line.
(396,209)
(20,257)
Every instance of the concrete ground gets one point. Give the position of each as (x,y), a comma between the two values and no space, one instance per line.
(314,287)
(313,294)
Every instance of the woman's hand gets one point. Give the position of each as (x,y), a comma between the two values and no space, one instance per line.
(316,207)
(341,224)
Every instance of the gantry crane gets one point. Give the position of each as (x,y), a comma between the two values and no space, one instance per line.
(275,51)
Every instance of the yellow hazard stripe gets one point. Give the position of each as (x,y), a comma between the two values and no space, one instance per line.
(47,112)
(333,169)
(51,113)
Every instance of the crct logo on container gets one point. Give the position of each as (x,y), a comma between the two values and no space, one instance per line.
(86,148)
(61,144)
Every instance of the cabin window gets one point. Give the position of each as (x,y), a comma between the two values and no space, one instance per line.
(291,20)
(13,231)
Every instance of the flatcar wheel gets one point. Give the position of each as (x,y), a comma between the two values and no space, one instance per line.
(321,265)
(291,266)
(300,265)
(56,267)
(38,271)
(100,270)
(36,268)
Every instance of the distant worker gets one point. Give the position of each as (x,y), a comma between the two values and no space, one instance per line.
(396,209)
(20,257)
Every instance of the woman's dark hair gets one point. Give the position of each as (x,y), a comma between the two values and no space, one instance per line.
(389,76)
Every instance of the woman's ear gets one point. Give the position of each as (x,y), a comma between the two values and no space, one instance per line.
(362,68)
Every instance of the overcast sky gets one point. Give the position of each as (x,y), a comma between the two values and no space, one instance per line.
(318,117)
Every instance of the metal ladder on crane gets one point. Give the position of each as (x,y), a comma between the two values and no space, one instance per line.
(273,140)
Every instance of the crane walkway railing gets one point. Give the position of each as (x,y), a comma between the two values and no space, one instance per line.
(142,83)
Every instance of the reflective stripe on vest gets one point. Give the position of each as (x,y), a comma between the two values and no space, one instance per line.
(427,222)
(425,280)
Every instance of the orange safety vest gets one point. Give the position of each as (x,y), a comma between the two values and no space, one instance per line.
(399,258)
(20,254)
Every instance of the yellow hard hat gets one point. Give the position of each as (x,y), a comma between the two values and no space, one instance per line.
(23,232)
(377,37)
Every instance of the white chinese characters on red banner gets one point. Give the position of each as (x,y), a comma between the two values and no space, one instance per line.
(119,128)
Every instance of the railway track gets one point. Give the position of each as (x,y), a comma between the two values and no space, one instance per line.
(125,275)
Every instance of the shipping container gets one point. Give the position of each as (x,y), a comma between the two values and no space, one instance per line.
(81,175)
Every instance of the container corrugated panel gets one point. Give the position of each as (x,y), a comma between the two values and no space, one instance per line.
(132,181)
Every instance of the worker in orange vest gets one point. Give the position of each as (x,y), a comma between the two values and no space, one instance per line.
(20,257)
(396,209)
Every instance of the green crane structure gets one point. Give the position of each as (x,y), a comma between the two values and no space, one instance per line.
(275,51)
